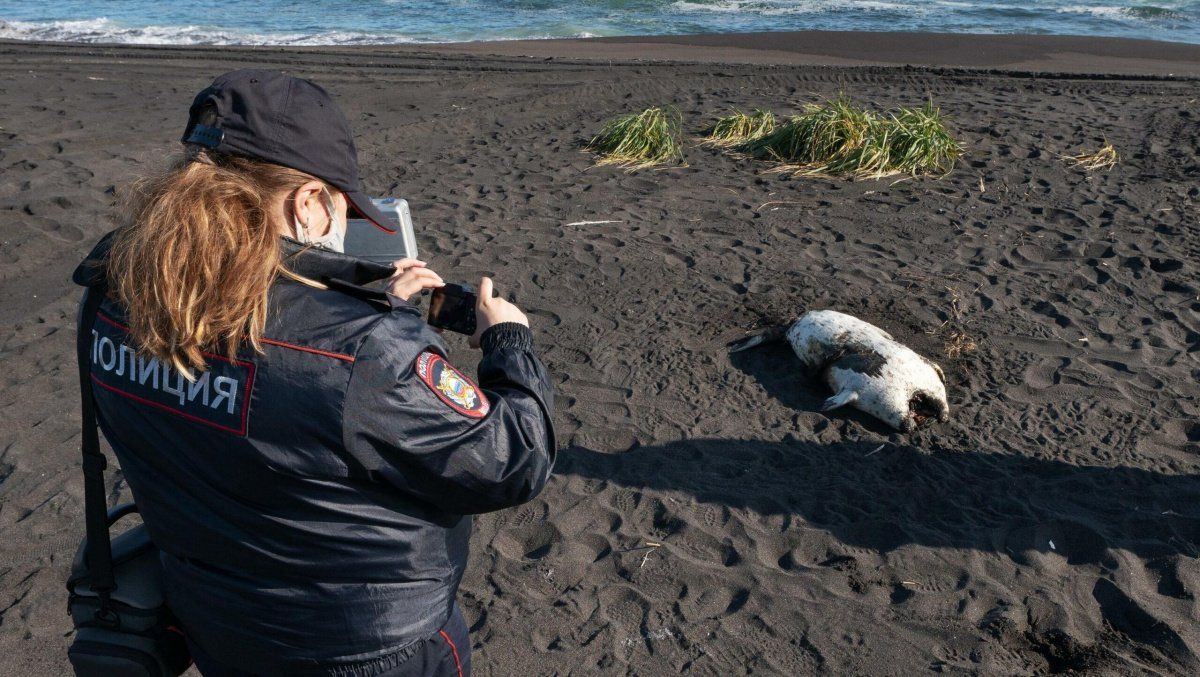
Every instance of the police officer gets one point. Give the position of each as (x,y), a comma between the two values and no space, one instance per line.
(300,447)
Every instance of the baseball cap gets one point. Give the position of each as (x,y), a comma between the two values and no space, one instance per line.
(289,121)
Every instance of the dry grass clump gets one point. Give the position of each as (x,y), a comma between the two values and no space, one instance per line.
(740,128)
(639,140)
(840,138)
(1105,158)
(958,343)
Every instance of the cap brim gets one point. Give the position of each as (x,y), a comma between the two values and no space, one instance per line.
(361,207)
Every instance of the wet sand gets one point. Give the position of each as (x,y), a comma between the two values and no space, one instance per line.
(1053,524)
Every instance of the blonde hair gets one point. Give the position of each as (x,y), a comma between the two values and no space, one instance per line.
(197,252)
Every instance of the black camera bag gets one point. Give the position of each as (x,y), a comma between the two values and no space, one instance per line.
(123,627)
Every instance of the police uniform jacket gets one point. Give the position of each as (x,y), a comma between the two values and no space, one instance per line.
(312,501)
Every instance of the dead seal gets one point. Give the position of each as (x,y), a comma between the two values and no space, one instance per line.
(864,366)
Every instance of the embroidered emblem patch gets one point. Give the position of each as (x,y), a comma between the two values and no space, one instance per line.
(451,386)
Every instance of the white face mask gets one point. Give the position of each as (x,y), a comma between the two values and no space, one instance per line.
(335,239)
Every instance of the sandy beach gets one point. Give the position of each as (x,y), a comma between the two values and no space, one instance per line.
(705,518)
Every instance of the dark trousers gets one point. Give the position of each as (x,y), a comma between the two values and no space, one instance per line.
(445,654)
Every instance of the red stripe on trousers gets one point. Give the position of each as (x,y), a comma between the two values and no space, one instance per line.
(454,650)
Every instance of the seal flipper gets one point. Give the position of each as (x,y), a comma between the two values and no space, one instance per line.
(769,336)
(840,400)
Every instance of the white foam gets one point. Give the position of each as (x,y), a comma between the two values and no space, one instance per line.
(783,7)
(1103,12)
(1162,10)
(1145,13)
(103,30)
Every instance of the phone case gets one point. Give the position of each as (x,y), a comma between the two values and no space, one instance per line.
(460,318)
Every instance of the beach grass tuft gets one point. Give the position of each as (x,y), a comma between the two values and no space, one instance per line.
(920,143)
(842,139)
(639,140)
(1105,158)
(740,128)
(818,136)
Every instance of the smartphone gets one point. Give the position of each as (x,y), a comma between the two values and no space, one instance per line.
(452,308)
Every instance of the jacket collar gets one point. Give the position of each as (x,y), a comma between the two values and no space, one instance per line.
(321,264)
(90,272)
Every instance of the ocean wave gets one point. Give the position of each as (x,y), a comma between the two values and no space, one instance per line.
(103,30)
(1138,12)
(783,7)
(425,22)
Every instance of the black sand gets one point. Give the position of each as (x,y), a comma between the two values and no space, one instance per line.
(1052,525)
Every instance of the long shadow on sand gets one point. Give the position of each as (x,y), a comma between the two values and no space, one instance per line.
(944,498)
(939,497)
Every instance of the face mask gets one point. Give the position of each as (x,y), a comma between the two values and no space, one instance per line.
(335,239)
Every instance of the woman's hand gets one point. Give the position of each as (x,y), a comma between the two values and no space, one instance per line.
(411,277)
(490,311)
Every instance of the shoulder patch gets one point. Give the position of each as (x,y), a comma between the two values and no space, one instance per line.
(451,386)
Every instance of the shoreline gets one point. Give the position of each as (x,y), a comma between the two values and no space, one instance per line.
(1026,54)
(1017,53)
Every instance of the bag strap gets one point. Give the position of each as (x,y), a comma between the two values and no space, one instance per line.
(98,551)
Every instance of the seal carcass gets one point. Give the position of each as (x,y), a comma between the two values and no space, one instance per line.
(864,366)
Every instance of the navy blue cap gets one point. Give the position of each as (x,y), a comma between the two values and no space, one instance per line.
(282,119)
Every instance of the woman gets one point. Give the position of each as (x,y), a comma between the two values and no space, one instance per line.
(299,447)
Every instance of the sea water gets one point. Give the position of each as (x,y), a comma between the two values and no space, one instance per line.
(365,22)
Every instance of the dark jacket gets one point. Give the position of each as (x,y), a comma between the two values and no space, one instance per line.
(309,501)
